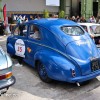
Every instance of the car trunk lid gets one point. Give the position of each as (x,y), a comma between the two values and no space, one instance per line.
(82,51)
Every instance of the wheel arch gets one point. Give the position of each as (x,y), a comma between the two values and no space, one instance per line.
(57,66)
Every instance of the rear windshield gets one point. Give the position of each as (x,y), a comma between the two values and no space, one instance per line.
(72,30)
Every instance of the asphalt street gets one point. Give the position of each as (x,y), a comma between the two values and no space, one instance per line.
(28,86)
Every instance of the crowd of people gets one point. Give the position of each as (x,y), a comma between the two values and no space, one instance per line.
(20,19)
(81,19)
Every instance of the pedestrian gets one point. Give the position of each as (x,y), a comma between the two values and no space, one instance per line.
(26,19)
(92,19)
(19,21)
(82,20)
(20,61)
(67,18)
(21,28)
(31,17)
(52,15)
(98,20)
(2,27)
(73,18)
(77,19)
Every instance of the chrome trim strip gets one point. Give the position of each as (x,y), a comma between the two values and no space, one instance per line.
(52,49)
(69,58)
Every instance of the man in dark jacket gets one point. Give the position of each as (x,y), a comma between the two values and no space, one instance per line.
(1,27)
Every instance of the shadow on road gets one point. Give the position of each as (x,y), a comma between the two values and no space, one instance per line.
(28,81)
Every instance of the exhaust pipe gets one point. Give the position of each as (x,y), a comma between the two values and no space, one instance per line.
(78,84)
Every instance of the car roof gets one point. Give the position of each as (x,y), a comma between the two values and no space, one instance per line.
(49,22)
(88,24)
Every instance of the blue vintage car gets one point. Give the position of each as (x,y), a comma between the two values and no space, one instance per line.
(59,49)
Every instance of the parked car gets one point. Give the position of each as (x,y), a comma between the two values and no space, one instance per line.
(93,30)
(6,77)
(62,50)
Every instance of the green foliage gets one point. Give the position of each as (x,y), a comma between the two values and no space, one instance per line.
(46,14)
(61,14)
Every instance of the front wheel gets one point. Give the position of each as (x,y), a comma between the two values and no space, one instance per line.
(42,73)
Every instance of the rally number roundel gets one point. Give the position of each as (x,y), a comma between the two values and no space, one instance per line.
(20,47)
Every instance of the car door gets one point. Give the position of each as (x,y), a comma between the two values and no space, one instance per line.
(34,43)
(19,39)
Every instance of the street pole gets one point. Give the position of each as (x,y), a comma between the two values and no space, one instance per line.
(83,8)
(86,8)
(89,8)
(62,5)
(98,7)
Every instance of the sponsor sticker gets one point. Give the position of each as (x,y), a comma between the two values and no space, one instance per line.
(20,48)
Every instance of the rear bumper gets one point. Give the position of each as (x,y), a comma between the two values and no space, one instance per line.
(7,82)
(84,78)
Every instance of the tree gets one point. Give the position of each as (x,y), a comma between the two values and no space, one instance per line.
(46,14)
(61,14)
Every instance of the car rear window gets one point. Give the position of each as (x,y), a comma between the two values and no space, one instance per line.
(95,29)
(72,30)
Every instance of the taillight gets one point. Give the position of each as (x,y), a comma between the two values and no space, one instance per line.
(73,73)
(8,75)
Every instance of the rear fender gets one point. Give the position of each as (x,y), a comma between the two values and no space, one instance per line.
(57,66)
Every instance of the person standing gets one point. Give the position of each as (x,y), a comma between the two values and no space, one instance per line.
(78,19)
(73,18)
(2,27)
(92,19)
(82,20)
(19,21)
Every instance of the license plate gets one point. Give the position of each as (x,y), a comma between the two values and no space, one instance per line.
(95,65)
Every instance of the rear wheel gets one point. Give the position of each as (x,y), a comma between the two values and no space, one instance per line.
(42,73)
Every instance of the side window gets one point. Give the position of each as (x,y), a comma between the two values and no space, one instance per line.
(34,32)
(21,30)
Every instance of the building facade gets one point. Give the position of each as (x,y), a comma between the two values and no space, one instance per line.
(84,8)
(28,7)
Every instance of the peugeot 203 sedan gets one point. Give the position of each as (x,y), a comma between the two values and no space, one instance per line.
(59,49)
(6,77)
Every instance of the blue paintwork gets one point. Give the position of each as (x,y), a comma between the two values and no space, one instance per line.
(60,53)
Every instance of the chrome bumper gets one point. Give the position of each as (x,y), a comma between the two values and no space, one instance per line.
(6,83)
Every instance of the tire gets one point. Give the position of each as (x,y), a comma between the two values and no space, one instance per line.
(42,73)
